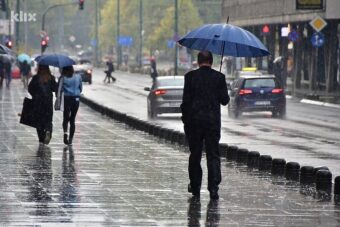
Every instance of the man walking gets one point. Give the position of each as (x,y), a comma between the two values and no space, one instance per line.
(109,71)
(205,90)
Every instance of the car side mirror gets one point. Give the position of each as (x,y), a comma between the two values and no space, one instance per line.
(147,89)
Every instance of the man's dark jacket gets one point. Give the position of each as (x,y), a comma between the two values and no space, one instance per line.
(205,89)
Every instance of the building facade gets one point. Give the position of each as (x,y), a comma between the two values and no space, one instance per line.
(309,59)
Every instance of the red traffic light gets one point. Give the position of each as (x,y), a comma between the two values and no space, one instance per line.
(9,44)
(265,29)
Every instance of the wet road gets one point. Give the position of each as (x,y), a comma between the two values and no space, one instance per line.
(115,176)
(310,134)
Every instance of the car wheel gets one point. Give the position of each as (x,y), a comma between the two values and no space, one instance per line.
(279,113)
(283,113)
(233,113)
(151,112)
(236,113)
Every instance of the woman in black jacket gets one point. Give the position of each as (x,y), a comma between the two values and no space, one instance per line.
(41,87)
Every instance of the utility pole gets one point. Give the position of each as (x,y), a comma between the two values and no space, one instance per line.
(9,20)
(96,36)
(17,26)
(26,28)
(140,32)
(175,37)
(117,39)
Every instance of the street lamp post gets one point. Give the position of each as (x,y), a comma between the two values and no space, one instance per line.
(140,32)
(175,37)
(118,31)
(48,9)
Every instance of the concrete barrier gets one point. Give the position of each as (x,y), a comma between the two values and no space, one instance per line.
(253,159)
(232,152)
(278,166)
(223,147)
(265,162)
(242,155)
(292,171)
(337,186)
(323,180)
(307,175)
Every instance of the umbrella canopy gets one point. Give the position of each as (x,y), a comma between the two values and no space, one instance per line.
(225,40)
(57,60)
(24,57)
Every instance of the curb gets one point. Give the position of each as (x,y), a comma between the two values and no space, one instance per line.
(318,179)
(308,101)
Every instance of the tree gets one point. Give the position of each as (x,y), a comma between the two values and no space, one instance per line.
(188,20)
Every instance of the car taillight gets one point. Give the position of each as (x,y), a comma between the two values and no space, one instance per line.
(159,92)
(245,91)
(277,91)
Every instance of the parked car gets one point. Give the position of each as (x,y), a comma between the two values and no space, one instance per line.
(257,93)
(84,68)
(165,95)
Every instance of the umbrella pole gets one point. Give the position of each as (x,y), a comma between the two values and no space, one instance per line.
(222,51)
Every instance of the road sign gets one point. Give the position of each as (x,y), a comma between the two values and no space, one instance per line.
(93,42)
(318,39)
(125,40)
(293,36)
(318,23)
(171,43)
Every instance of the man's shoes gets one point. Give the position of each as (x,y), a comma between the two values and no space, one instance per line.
(214,195)
(195,193)
(65,139)
(47,137)
(70,142)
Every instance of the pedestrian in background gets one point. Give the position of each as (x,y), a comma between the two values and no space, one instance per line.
(25,70)
(41,88)
(109,71)
(204,91)
(2,71)
(8,72)
(72,88)
(153,69)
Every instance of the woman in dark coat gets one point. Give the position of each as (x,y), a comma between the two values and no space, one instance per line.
(41,87)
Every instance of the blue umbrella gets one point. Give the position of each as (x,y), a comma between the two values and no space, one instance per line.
(24,57)
(57,60)
(225,40)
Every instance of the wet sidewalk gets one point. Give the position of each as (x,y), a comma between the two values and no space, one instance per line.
(116,176)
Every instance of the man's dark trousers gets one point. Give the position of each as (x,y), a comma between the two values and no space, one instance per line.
(199,135)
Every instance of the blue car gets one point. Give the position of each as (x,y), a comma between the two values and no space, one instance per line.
(257,93)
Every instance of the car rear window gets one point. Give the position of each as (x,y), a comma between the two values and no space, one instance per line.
(263,82)
(171,83)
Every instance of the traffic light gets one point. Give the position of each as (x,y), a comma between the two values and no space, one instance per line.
(43,45)
(265,30)
(9,44)
(81,4)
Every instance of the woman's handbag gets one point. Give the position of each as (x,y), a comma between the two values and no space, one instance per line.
(27,114)
(59,102)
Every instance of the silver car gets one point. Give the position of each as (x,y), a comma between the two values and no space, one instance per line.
(165,95)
